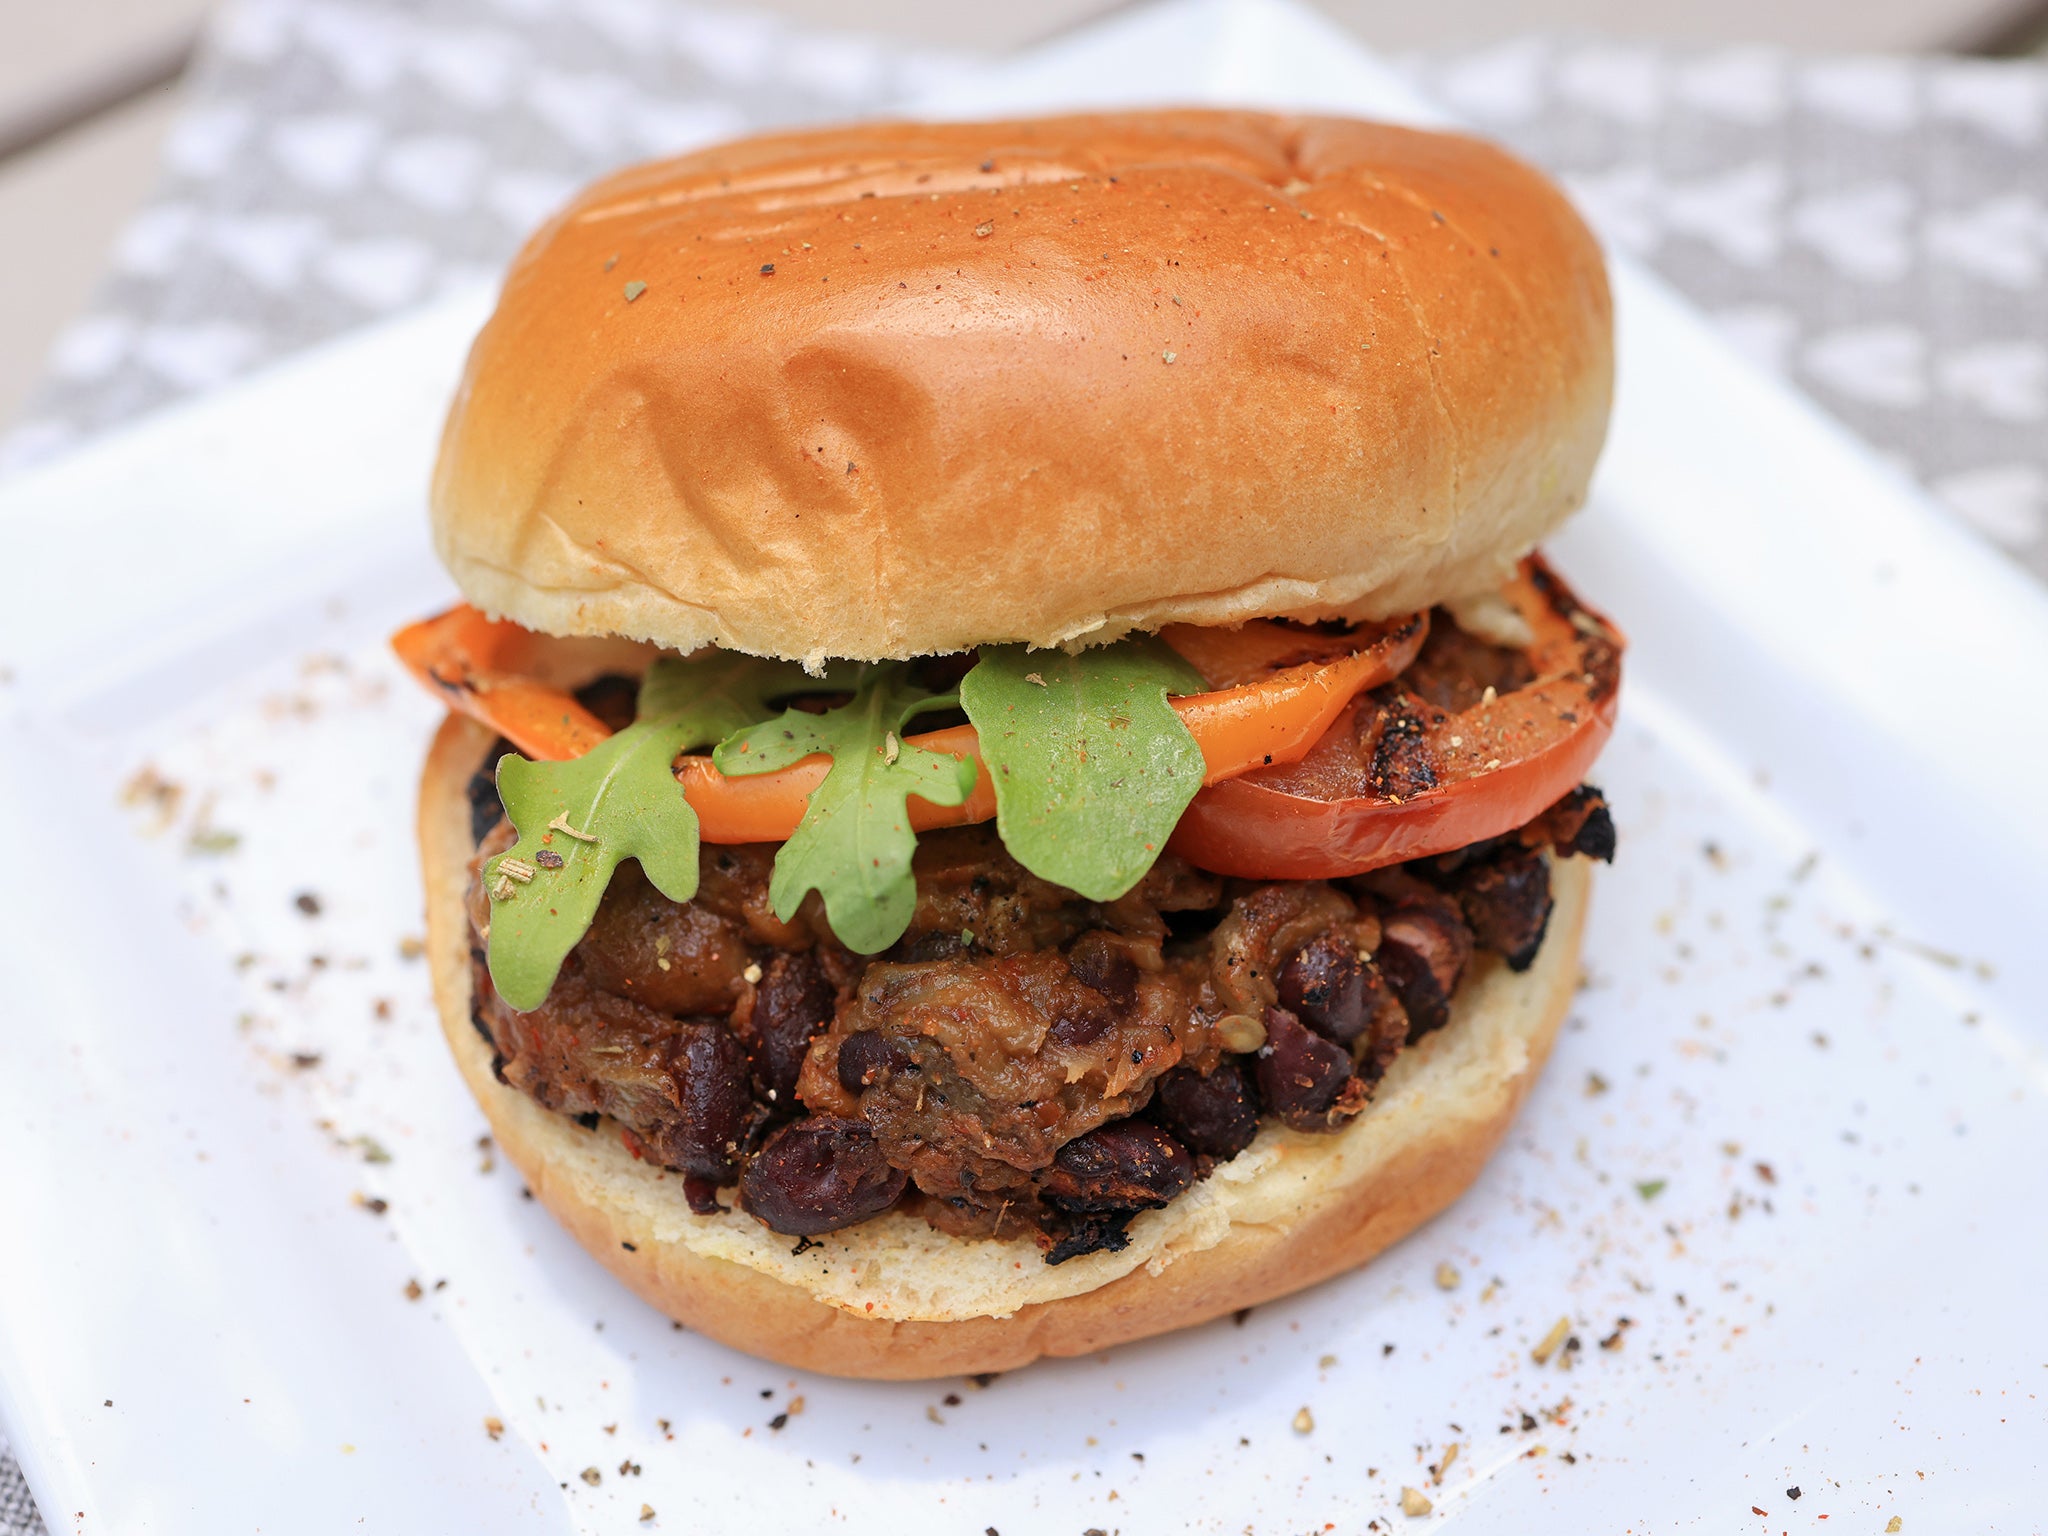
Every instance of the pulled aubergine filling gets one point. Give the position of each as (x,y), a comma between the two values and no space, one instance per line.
(1023,1062)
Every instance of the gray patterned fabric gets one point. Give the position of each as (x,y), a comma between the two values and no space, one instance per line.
(18,1515)
(345,159)
(1876,229)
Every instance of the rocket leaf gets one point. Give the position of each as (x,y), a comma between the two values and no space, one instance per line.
(1091,766)
(854,844)
(576,820)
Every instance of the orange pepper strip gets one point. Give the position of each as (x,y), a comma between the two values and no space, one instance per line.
(1238,729)
(475,665)
(1276,720)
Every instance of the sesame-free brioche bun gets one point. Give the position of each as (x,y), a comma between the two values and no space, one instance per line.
(902,388)
(892,1298)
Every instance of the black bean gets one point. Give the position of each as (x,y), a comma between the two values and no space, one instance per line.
(1330,989)
(709,1066)
(794,1001)
(923,948)
(1217,1114)
(1506,899)
(1130,1165)
(1423,951)
(1303,1077)
(1081,1027)
(1098,961)
(1374,1051)
(818,1175)
(865,1055)
(485,809)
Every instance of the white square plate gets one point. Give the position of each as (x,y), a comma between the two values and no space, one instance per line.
(1794,1133)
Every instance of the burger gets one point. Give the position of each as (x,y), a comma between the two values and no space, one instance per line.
(1014,777)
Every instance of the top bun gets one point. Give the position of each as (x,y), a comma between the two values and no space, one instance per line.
(904,388)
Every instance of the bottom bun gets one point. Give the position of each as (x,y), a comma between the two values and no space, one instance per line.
(892,1298)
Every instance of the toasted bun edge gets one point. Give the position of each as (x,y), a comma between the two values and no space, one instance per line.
(1047,381)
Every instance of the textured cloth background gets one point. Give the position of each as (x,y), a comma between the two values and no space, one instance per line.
(17,1510)
(1877,229)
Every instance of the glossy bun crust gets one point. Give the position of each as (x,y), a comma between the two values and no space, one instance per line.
(891,1298)
(901,388)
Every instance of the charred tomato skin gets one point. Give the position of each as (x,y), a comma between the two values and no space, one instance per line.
(1430,778)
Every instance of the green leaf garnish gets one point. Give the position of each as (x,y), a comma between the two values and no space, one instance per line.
(1091,766)
(576,820)
(854,844)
